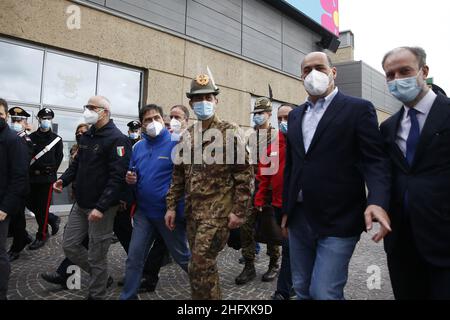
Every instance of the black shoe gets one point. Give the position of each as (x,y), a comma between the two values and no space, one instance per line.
(278,296)
(271,274)
(242,259)
(37,244)
(110,282)
(28,239)
(55,226)
(12,256)
(121,282)
(54,278)
(166,260)
(247,275)
(114,239)
(148,286)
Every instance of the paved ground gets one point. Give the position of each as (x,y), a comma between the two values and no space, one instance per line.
(25,282)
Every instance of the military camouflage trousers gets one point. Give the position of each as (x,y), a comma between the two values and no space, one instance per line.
(206,239)
(249,244)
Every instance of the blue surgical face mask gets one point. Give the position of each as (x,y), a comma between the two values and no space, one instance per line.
(204,110)
(284,127)
(46,124)
(405,90)
(134,135)
(259,119)
(16,126)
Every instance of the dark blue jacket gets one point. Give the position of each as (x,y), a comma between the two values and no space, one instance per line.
(346,153)
(14,163)
(428,184)
(152,158)
(100,167)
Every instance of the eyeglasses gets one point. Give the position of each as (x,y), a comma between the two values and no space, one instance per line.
(91,107)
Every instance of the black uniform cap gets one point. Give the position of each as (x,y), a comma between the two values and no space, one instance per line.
(134,125)
(18,112)
(45,113)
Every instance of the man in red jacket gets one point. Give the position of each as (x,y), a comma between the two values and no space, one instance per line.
(274,183)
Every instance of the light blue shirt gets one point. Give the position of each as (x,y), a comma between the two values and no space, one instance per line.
(313,115)
(423,108)
(311,119)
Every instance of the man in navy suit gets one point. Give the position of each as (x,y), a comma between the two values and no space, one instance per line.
(334,149)
(417,139)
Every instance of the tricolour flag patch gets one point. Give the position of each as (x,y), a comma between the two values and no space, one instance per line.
(120,151)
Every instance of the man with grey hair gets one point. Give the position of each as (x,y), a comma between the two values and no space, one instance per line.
(417,139)
(99,170)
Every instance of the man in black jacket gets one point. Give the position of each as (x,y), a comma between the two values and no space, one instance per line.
(417,139)
(99,170)
(13,188)
(17,225)
(47,157)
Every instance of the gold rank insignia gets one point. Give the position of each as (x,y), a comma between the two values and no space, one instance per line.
(202,79)
(17,110)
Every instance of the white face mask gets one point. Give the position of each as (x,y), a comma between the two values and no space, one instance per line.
(316,83)
(90,117)
(154,128)
(175,125)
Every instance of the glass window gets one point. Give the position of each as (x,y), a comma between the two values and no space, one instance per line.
(69,82)
(121,123)
(20,73)
(122,87)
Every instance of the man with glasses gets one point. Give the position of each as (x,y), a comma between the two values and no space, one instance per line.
(99,170)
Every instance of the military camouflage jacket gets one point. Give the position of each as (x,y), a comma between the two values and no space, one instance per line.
(215,181)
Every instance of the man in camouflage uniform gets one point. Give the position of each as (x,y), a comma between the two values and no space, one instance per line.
(263,129)
(217,195)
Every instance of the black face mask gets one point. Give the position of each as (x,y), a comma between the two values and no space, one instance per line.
(2,123)
(78,138)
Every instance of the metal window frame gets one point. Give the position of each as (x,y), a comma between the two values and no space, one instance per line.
(97,61)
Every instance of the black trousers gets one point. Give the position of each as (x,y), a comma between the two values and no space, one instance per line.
(18,230)
(412,277)
(5,267)
(39,202)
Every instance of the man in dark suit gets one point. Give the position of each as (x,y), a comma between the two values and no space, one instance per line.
(417,139)
(14,162)
(334,148)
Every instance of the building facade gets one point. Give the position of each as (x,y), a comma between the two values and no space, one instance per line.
(58,53)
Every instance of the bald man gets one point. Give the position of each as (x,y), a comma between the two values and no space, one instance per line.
(99,171)
(334,149)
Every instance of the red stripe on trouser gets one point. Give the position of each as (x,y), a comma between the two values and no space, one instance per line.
(133,210)
(49,199)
